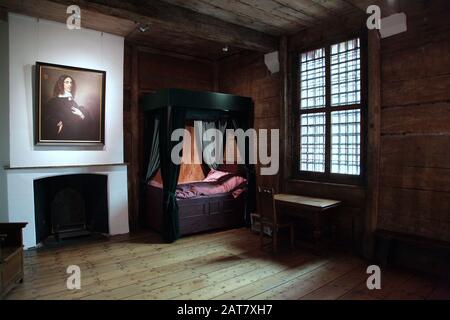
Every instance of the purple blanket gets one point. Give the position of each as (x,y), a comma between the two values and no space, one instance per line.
(234,184)
(228,183)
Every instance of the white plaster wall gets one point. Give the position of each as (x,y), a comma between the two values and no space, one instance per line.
(4,117)
(28,40)
(21,196)
(32,40)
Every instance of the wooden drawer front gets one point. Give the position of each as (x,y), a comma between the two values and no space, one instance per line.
(12,268)
(193,209)
(215,207)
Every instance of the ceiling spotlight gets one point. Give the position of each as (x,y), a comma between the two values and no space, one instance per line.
(225,49)
(143,27)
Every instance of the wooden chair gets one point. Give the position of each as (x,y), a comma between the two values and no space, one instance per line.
(268,217)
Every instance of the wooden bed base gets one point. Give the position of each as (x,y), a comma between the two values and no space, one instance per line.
(200,214)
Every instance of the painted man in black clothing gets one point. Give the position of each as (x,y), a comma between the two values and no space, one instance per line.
(63,119)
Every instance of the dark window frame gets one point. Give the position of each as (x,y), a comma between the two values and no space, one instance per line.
(327,176)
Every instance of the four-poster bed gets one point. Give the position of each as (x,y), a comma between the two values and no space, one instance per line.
(176,209)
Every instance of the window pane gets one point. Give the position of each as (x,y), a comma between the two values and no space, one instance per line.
(312,144)
(312,79)
(345,142)
(345,73)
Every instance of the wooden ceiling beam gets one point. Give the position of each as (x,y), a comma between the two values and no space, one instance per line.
(387,7)
(165,16)
(46,9)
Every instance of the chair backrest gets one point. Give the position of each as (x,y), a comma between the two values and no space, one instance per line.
(266,203)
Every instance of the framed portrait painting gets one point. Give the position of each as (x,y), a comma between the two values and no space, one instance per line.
(70,108)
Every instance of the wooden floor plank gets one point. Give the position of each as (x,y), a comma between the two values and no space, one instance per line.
(168,278)
(120,253)
(339,287)
(90,265)
(260,271)
(168,261)
(309,282)
(207,277)
(390,280)
(219,265)
(268,283)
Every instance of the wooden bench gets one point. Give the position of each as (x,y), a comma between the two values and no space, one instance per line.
(413,252)
(315,209)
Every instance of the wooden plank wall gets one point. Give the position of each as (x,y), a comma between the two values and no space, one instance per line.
(147,70)
(246,74)
(415,131)
(415,124)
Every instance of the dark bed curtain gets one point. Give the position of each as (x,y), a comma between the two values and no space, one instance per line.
(171,119)
(153,152)
(207,162)
(244,124)
(221,125)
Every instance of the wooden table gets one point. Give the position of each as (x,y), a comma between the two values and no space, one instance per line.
(309,207)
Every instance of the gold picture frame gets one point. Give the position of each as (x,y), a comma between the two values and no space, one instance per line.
(70,105)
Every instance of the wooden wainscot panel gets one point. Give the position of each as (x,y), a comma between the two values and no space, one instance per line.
(433,229)
(252,71)
(267,123)
(170,67)
(403,65)
(417,119)
(435,179)
(268,108)
(416,151)
(266,88)
(242,66)
(157,83)
(425,90)
(419,204)
(266,181)
(427,24)
(127,66)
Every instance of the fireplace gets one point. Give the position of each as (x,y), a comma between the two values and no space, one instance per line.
(70,206)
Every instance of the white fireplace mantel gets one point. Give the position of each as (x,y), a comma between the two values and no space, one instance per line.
(20,200)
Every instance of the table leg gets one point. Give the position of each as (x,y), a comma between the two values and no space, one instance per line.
(317,232)
(333,232)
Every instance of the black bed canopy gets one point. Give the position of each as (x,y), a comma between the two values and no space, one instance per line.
(167,110)
(204,100)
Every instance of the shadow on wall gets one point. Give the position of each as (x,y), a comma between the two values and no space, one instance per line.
(3,197)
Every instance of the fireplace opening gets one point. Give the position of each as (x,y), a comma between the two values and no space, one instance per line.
(70,206)
(68,214)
